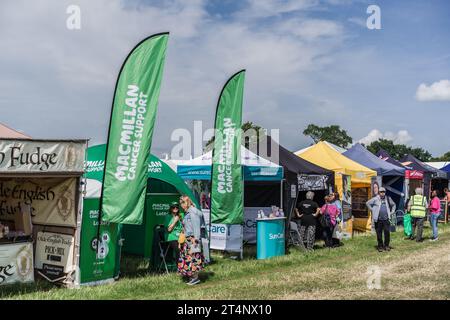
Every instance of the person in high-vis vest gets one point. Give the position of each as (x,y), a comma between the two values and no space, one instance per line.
(417,207)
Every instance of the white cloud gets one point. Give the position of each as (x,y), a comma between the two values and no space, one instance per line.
(311,29)
(358,21)
(401,137)
(438,91)
(69,75)
(57,83)
(268,8)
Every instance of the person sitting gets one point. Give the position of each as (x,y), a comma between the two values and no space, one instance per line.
(174,229)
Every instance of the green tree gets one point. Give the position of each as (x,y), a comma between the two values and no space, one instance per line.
(444,157)
(333,134)
(398,151)
(245,127)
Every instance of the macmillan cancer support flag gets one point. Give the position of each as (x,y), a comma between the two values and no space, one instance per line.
(130,131)
(227,184)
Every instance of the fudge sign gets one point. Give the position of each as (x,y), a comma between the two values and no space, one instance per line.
(16,263)
(41,156)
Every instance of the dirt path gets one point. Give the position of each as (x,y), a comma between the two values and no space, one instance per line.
(422,275)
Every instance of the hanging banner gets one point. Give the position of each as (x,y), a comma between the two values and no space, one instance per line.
(49,201)
(376,184)
(224,236)
(130,131)
(307,182)
(346,197)
(16,263)
(413,174)
(226,180)
(41,156)
(54,254)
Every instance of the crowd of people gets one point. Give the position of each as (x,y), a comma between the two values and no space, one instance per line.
(309,216)
(185,232)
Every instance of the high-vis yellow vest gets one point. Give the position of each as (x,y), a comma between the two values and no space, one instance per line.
(418,206)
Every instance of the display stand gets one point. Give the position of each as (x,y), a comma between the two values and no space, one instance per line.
(40,206)
(270,237)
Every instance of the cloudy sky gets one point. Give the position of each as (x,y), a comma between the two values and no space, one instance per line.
(307,61)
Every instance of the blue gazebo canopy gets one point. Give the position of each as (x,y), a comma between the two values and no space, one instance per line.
(363,156)
(416,164)
(447,169)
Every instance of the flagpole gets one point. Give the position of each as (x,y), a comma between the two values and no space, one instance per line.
(215,120)
(100,211)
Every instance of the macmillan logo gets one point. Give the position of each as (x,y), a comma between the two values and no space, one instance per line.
(95,166)
(225,158)
(131,134)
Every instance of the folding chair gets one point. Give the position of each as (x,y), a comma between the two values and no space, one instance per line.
(163,248)
(294,234)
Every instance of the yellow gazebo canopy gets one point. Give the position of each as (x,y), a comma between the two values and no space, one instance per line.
(324,155)
(327,157)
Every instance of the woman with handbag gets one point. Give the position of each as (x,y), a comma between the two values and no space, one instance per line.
(329,213)
(191,260)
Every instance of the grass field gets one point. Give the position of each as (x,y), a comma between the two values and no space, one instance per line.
(410,271)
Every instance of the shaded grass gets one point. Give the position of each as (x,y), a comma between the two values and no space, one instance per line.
(411,270)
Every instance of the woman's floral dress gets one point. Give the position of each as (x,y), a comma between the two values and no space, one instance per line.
(190,263)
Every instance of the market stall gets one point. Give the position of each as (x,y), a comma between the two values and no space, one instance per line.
(263,188)
(447,169)
(40,209)
(163,187)
(390,176)
(352,181)
(431,178)
(300,176)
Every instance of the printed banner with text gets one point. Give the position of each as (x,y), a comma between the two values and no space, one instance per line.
(16,263)
(35,156)
(227,184)
(50,201)
(130,132)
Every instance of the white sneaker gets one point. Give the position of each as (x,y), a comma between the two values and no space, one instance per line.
(194,282)
(434,239)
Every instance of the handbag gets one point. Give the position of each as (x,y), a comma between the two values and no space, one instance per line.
(325,219)
(181,238)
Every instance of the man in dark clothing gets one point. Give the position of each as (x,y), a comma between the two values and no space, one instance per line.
(307,212)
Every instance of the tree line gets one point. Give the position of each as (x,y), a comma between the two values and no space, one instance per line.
(338,136)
